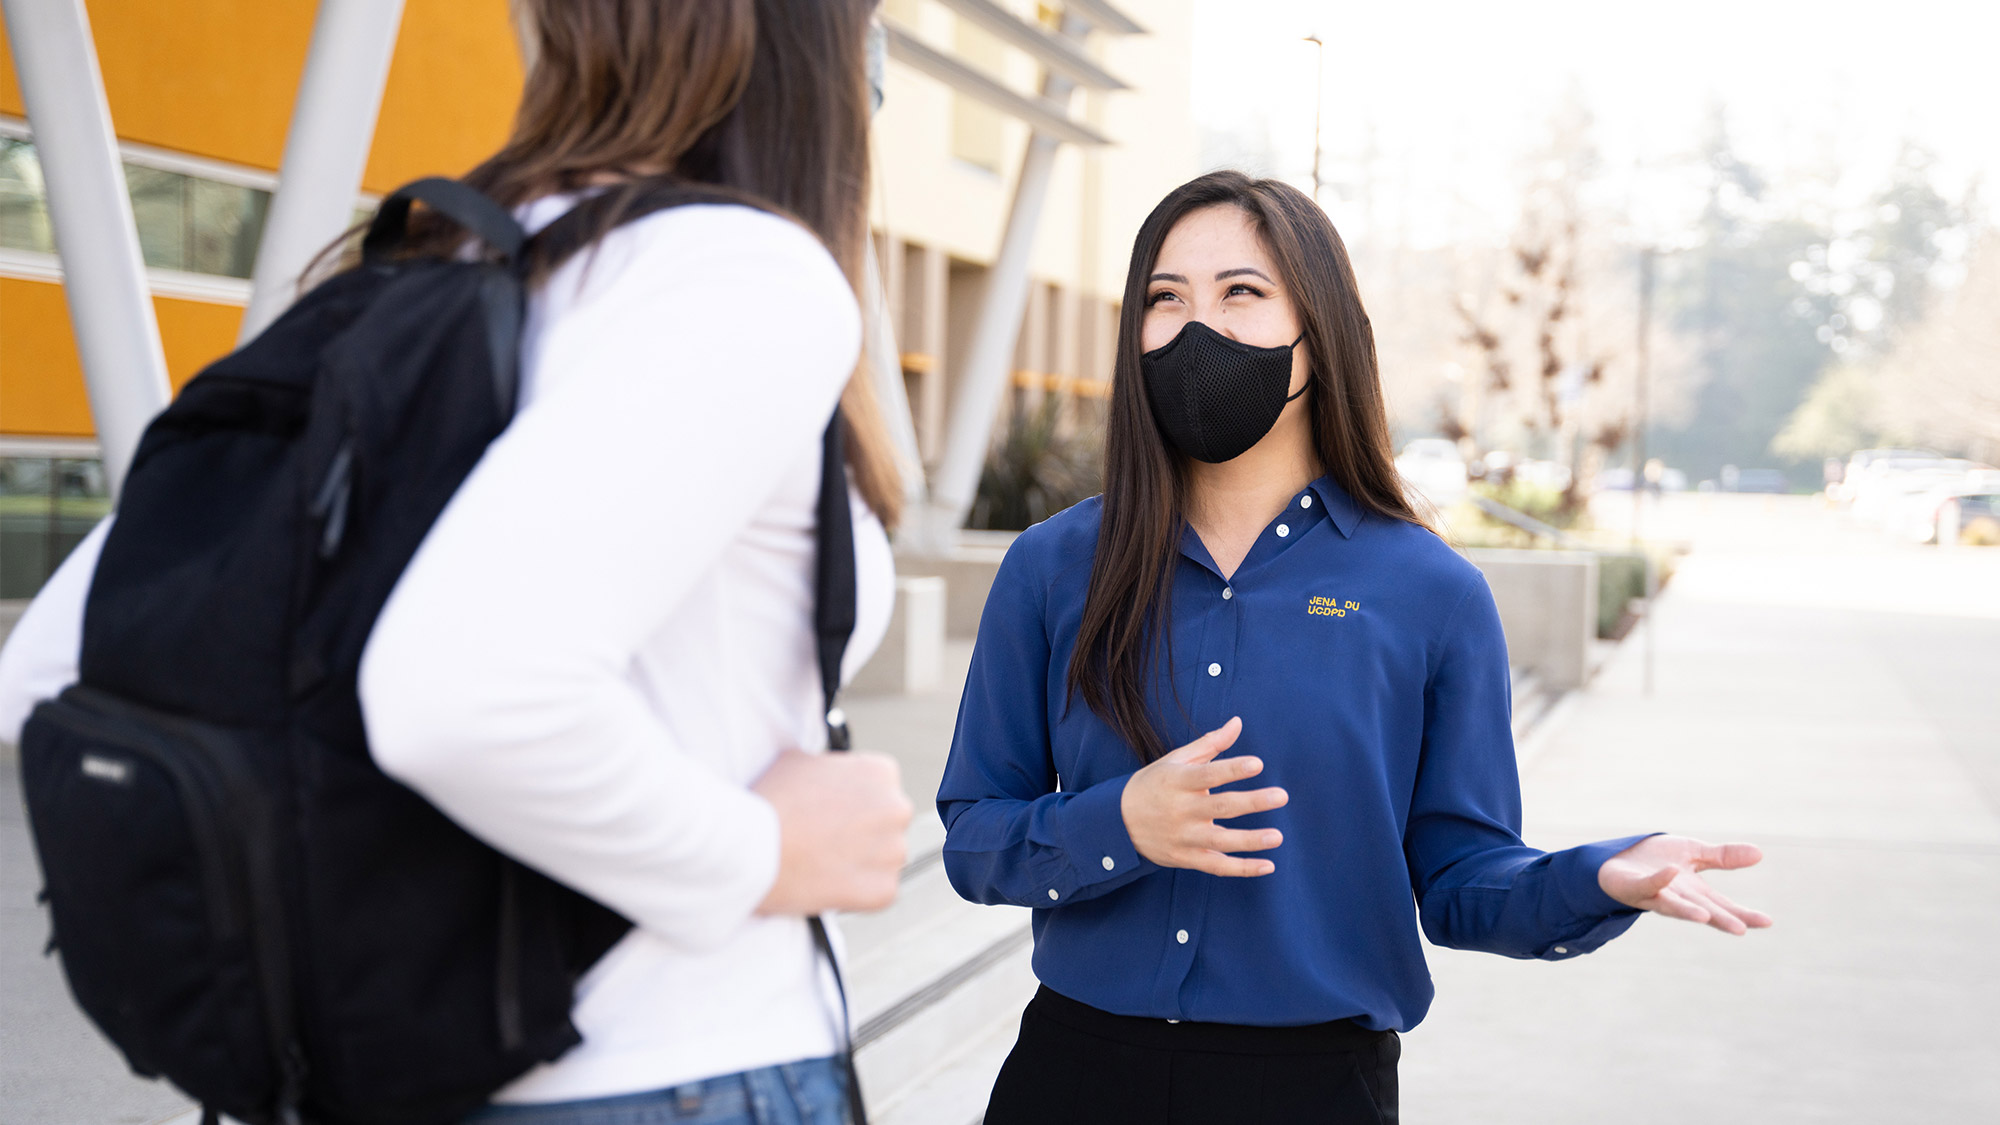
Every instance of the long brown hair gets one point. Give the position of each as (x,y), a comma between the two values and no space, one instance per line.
(767,98)
(1126,611)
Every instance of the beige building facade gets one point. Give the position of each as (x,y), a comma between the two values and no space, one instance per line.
(946,174)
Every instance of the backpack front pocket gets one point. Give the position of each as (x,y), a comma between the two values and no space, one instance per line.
(154,840)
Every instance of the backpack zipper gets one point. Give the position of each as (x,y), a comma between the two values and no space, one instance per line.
(330,502)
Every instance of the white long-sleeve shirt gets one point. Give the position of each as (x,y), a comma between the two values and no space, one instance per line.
(606,637)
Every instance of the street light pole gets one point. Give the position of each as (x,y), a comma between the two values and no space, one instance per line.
(1319,102)
(1642,374)
(1641,363)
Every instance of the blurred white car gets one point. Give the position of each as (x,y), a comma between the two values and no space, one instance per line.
(1865,465)
(1434,467)
(1886,483)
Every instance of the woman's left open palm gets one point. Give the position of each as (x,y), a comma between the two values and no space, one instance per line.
(1663,874)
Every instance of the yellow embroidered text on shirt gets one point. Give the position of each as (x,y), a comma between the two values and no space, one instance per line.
(1331,607)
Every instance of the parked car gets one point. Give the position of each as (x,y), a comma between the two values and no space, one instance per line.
(1979,519)
(1754,480)
(1855,474)
(1434,467)
(1973,495)
(1901,494)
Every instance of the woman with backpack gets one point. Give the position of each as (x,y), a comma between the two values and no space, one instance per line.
(1223,721)
(602,659)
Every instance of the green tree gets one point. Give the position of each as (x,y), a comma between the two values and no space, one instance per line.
(1882,279)
(1752,322)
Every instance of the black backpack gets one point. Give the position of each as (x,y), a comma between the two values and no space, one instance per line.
(244,903)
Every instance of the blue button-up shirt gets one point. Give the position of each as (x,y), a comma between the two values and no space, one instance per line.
(1366,660)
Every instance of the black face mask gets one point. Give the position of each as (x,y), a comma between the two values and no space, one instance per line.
(1215,397)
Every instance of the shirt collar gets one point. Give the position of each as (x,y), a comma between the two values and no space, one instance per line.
(1341,508)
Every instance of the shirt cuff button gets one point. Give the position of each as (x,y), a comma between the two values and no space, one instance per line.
(1109,863)
(1052,894)
(1562,949)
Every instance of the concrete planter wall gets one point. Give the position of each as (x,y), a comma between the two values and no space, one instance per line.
(1548,609)
(1547,601)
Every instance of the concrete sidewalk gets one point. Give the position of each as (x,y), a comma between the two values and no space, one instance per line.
(1834,702)
(1816,693)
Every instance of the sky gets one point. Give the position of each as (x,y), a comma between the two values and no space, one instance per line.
(1444,100)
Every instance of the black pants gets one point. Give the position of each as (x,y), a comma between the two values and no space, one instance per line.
(1074,1063)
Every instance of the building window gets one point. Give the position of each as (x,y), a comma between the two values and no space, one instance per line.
(978,131)
(185,222)
(24,220)
(47,506)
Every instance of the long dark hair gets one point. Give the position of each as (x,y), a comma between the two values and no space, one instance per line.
(765,97)
(1125,613)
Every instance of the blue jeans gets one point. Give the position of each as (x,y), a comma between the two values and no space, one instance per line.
(813,1092)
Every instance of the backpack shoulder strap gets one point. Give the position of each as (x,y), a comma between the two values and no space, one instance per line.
(465,205)
(834,580)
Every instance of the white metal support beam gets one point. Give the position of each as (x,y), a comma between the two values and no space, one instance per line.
(1057,52)
(1102,16)
(90,210)
(1046,115)
(975,402)
(885,366)
(326,152)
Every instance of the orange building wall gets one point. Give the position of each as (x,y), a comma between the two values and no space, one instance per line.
(217,78)
(41,379)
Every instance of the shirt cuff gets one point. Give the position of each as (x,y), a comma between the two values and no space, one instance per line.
(1094,838)
(1575,872)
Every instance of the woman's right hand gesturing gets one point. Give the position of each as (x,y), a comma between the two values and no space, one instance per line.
(841,819)
(1170,813)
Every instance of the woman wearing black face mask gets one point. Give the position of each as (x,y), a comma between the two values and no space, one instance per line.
(1224,930)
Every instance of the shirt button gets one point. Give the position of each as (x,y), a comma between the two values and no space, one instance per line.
(1305,501)
(1215,669)
(1181,937)
(1109,863)
(1052,893)
(1228,592)
(1564,949)
(1284,530)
